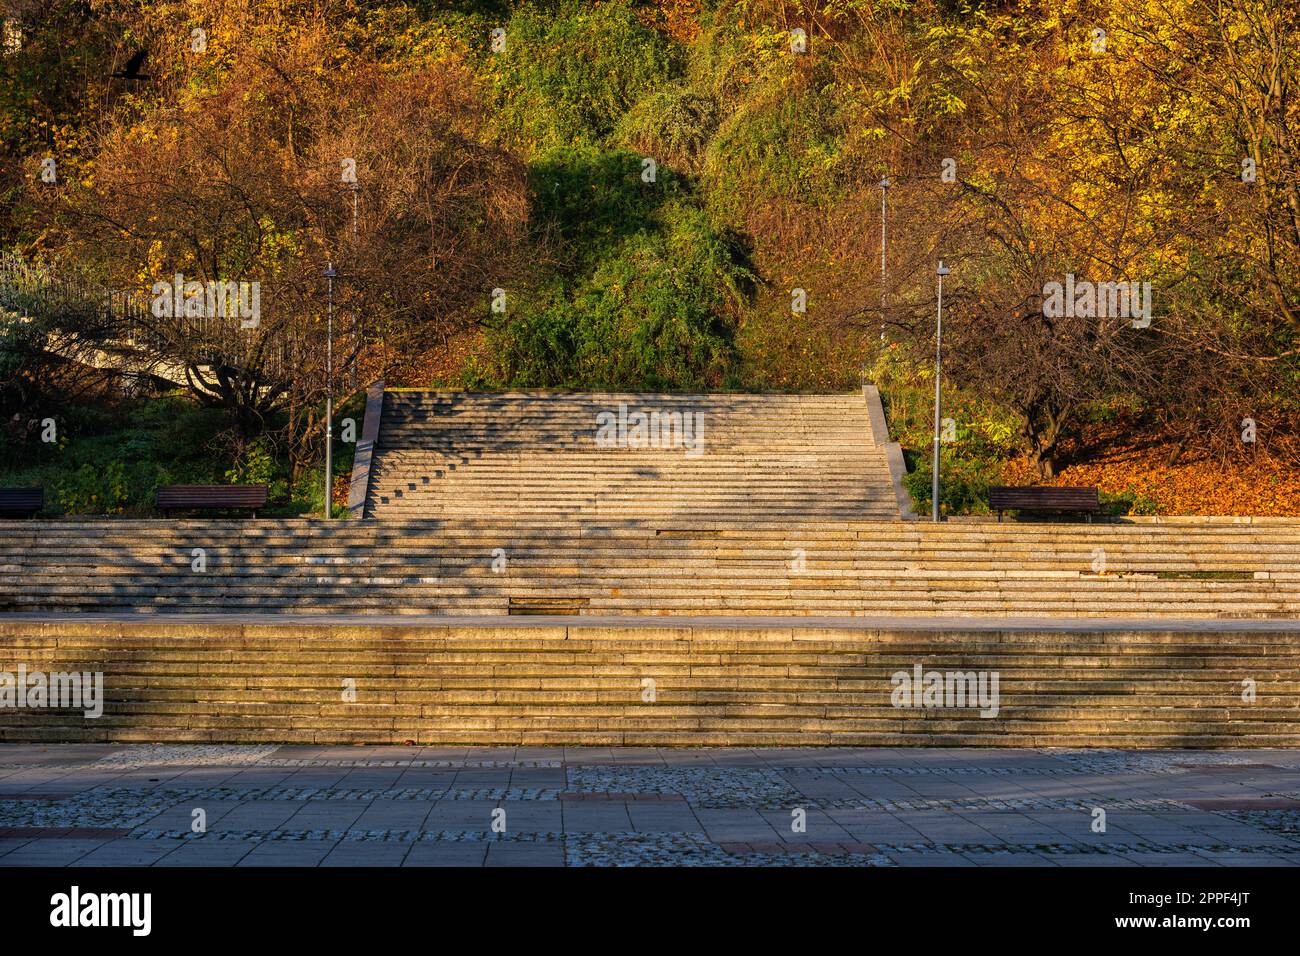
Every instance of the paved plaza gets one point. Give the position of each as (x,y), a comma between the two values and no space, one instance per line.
(223,805)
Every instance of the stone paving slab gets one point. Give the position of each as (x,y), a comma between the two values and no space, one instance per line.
(86,806)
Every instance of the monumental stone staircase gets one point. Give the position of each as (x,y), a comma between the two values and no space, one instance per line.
(737,457)
(629,566)
(516,583)
(679,682)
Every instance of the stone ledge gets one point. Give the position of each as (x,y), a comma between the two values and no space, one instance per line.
(893,450)
(198,624)
(359,489)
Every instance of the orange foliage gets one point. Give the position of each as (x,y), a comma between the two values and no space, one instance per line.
(1255,483)
(679,19)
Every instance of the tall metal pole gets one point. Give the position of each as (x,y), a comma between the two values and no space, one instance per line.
(350,371)
(884,191)
(330,273)
(938,368)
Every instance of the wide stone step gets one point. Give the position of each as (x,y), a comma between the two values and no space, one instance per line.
(166,681)
(454,454)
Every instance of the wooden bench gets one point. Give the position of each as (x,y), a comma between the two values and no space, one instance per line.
(21,502)
(203,497)
(1040,498)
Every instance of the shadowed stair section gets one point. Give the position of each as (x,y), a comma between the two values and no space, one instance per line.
(737,457)
(691,683)
(518,584)
(1147,569)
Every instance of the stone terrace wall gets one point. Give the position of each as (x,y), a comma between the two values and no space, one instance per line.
(169,680)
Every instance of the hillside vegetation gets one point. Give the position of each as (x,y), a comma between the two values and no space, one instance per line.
(684,195)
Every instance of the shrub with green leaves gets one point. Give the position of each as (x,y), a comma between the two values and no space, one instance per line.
(258,465)
(652,314)
(1128,502)
(784,141)
(673,125)
(100,489)
(570,72)
(587,201)
(963,484)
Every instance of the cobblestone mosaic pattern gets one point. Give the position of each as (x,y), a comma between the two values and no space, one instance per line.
(390,806)
(708,787)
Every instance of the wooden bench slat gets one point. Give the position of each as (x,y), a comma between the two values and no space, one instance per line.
(22,502)
(189,497)
(1044,498)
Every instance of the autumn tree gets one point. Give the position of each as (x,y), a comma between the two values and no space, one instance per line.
(243,172)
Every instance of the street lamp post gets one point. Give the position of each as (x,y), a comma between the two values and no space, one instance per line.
(349,379)
(938,359)
(330,275)
(356,191)
(884,191)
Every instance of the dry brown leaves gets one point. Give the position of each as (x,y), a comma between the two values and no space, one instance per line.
(1254,483)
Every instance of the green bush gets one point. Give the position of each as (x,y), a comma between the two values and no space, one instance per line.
(963,484)
(651,315)
(1128,502)
(673,125)
(111,458)
(258,465)
(571,72)
(587,201)
(784,142)
(92,490)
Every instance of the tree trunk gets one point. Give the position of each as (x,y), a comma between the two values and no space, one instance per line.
(1046,462)
(1042,428)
